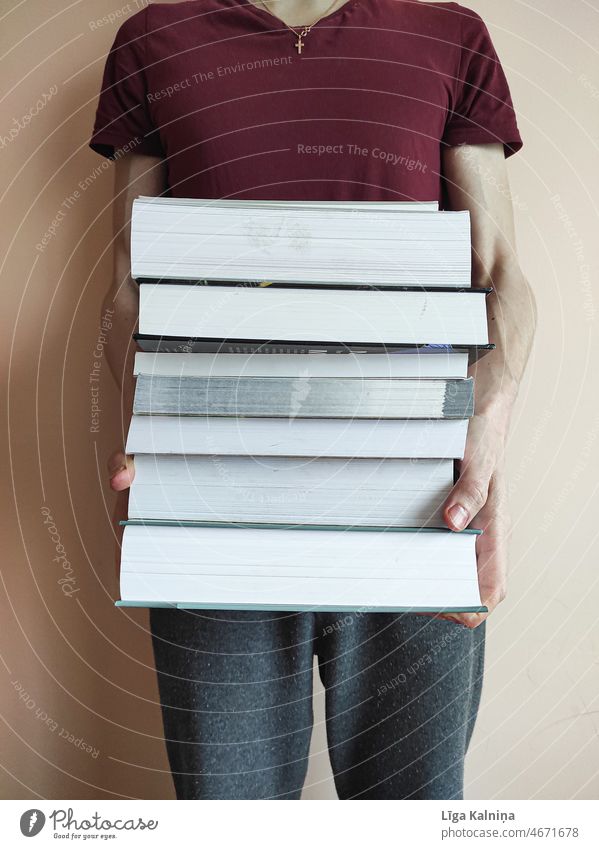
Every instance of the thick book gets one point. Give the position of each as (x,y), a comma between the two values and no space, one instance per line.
(266,437)
(291,491)
(342,316)
(260,568)
(350,244)
(305,397)
(443,364)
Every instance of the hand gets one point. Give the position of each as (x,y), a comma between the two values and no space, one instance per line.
(121,469)
(479,498)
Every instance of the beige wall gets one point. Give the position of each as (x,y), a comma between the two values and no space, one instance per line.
(76,666)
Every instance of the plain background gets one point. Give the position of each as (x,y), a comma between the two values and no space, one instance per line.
(74,671)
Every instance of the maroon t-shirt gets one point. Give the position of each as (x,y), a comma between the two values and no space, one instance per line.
(219,89)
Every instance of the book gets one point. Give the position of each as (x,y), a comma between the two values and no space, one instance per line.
(352,244)
(348,316)
(158,343)
(444,364)
(265,437)
(305,397)
(291,491)
(317,205)
(288,569)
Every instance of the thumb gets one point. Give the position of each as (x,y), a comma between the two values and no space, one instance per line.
(465,500)
(121,469)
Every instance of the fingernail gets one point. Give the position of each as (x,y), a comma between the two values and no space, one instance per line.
(458,516)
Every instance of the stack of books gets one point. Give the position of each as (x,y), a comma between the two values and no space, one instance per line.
(301,397)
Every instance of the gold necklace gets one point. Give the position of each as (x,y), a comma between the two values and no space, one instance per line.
(299,44)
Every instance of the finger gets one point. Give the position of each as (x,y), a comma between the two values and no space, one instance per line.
(116,462)
(123,476)
(465,500)
(466,620)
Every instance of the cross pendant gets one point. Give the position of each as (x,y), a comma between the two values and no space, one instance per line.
(299,44)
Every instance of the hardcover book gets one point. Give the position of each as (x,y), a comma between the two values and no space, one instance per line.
(288,490)
(352,316)
(305,397)
(364,244)
(288,569)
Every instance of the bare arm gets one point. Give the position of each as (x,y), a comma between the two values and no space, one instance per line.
(476,179)
(135,174)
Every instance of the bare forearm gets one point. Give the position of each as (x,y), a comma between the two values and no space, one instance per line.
(120,348)
(511,314)
(476,179)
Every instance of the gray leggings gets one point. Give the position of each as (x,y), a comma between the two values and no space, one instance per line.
(402,693)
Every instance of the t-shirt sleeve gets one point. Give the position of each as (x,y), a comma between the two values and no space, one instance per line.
(482,111)
(123,120)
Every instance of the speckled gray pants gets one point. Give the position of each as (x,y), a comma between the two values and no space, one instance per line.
(402,693)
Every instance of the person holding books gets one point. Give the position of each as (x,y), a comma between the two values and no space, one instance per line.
(386,100)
